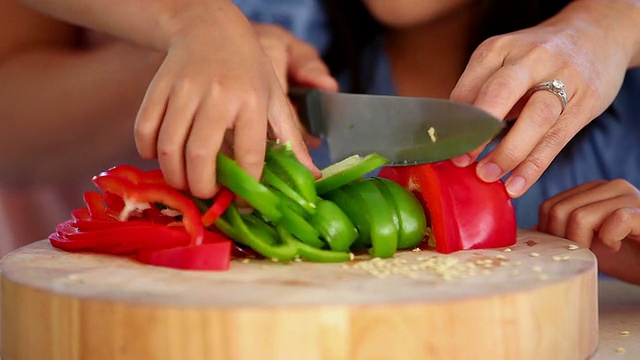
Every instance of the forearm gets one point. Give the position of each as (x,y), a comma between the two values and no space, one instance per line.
(64,107)
(153,23)
(617,20)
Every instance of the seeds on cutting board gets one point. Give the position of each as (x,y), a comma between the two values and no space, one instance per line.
(573,247)
(446,267)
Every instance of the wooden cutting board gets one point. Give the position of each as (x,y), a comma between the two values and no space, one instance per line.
(535,300)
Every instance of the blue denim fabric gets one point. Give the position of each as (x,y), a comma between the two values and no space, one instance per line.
(304,18)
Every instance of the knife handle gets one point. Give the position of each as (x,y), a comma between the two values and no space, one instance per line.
(306,101)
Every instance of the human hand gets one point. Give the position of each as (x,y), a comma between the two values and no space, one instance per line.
(603,216)
(297,62)
(585,46)
(217,90)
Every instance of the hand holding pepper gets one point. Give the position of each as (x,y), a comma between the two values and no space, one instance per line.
(186,118)
(589,45)
(220,86)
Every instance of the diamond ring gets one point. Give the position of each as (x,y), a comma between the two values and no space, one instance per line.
(555,86)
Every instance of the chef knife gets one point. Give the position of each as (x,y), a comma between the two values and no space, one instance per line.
(406,130)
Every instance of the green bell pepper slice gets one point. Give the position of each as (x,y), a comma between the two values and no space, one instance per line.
(353,210)
(281,160)
(300,228)
(311,253)
(383,230)
(260,197)
(409,215)
(348,170)
(269,178)
(256,234)
(334,225)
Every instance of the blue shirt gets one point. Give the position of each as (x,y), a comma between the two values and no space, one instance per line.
(304,18)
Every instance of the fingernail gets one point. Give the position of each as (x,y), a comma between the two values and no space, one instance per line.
(515,185)
(462,160)
(489,172)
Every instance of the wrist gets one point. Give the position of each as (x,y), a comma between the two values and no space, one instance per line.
(209,16)
(616,20)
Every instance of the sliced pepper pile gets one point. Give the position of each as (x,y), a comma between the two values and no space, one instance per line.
(296,216)
(291,215)
(137,214)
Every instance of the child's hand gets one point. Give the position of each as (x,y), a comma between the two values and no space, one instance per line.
(603,216)
(222,87)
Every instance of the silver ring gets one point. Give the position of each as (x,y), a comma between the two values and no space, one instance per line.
(557,87)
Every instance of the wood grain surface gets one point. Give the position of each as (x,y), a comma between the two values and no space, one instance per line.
(535,300)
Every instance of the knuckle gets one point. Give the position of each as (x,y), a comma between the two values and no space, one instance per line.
(545,208)
(168,150)
(580,218)
(622,184)
(184,85)
(557,211)
(197,155)
(143,131)
(512,155)
(488,49)
(536,164)
(545,116)
(622,216)
(499,90)
(554,139)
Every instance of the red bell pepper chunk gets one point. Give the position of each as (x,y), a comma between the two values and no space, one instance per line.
(221,202)
(141,196)
(214,254)
(465,212)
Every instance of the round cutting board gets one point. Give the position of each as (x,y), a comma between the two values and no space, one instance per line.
(534,300)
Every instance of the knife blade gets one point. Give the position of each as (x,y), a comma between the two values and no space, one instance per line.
(406,130)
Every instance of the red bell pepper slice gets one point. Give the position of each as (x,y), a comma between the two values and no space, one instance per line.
(214,254)
(221,202)
(465,212)
(116,237)
(136,175)
(97,206)
(141,196)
